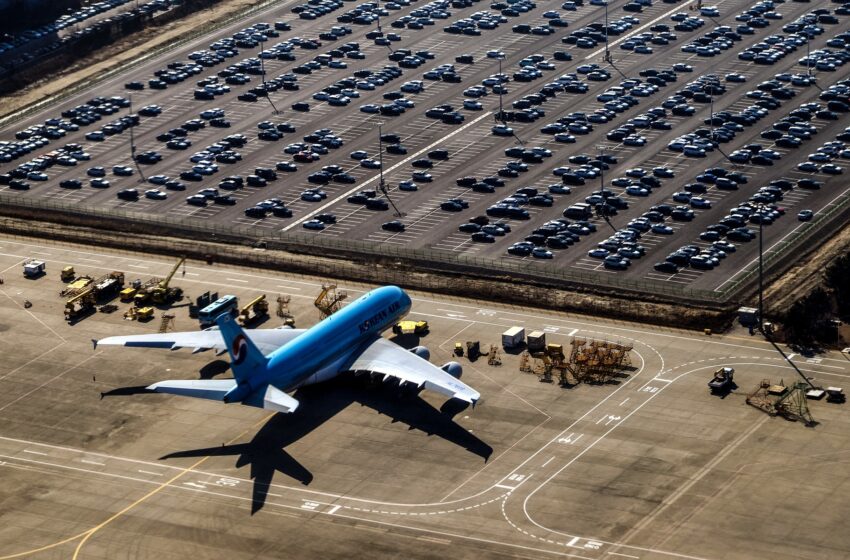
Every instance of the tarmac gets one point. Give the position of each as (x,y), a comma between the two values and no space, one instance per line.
(648,466)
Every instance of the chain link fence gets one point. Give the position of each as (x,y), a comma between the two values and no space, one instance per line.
(407,260)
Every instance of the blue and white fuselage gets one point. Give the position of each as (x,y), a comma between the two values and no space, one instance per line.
(268,363)
(322,351)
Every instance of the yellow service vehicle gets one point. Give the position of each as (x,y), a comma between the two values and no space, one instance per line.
(254,311)
(144,313)
(67,274)
(411,327)
(127,294)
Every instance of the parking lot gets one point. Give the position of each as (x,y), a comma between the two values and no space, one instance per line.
(667,208)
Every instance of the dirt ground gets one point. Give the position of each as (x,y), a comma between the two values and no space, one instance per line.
(806,275)
(120,52)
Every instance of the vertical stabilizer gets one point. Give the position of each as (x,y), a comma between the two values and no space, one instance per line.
(247,362)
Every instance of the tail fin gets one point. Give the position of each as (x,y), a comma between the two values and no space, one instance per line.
(246,360)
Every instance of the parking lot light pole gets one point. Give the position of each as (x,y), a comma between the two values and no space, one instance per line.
(761,208)
(607,56)
(263,78)
(601,170)
(711,100)
(382,186)
(809,55)
(501,111)
(133,142)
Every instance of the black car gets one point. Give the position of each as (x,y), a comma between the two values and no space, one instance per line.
(71,184)
(394,225)
(667,267)
(128,194)
(377,204)
(255,212)
(225,199)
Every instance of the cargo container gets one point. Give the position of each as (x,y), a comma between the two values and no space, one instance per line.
(513,337)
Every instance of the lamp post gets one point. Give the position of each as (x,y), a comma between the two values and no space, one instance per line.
(808,55)
(607,52)
(761,208)
(501,111)
(263,77)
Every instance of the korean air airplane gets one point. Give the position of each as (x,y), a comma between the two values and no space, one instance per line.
(269,363)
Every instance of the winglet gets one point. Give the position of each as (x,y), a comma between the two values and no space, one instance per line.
(94,344)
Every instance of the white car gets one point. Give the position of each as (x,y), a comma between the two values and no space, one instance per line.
(156,194)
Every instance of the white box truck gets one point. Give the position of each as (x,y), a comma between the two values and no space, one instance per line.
(34,268)
(513,337)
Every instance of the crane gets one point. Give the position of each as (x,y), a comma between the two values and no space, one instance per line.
(159,291)
(163,293)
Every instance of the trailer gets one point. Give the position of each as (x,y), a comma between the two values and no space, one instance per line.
(107,286)
(722,381)
(536,341)
(513,338)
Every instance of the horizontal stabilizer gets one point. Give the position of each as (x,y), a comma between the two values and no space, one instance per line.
(271,398)
(212,389)
(275,399)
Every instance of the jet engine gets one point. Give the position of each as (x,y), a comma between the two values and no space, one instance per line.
(422,352)
(453,368)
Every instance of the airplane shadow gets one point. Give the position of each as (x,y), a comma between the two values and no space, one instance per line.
(266,452)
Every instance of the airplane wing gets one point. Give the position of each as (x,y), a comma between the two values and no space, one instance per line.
(383,356)
(267,340)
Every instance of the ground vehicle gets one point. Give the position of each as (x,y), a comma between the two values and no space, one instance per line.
(144,313)
(34,268)
(127,293)
(80,304)
(411,327)
(254,310)
(722,380)
(67,274)
(224,304)
(160,292)
(513,337)
(394,225)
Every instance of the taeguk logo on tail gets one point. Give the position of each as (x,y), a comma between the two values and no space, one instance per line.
(239,349)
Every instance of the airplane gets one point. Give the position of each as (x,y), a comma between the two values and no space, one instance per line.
(269,363)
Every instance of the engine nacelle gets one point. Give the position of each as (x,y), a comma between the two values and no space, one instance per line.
(453,368)
(422,352)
